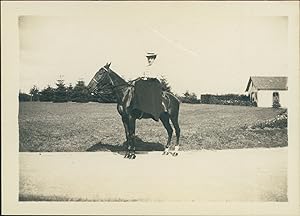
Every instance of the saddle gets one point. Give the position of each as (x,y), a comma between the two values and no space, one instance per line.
(148,97)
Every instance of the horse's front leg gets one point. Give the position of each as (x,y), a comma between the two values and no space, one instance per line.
(125,120)
(126,127)
(131,138)
(129,125)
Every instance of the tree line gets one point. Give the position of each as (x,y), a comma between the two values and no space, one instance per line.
(61,93)
(80,93)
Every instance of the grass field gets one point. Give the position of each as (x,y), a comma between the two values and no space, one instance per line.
(53,127)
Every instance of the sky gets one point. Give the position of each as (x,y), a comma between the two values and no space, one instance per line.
(198,52)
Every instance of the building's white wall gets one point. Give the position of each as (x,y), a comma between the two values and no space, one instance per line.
(283,98)
(265,98)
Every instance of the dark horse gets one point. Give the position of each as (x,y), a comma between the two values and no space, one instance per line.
(105,78)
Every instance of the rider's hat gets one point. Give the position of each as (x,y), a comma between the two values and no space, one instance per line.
(151,54)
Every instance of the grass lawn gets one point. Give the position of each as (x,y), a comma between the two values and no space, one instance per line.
(57,127)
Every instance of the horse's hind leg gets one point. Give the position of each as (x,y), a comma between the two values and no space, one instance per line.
(174,120)
(164,117)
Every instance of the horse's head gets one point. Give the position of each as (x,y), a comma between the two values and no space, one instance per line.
(101,80)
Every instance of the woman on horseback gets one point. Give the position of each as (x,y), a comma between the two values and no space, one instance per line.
(151,70)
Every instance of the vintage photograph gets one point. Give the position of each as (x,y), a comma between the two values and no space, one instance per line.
(153,102)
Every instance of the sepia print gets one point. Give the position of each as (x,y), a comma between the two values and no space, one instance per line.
(153,103)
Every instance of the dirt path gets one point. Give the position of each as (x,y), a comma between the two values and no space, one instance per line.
(226,175)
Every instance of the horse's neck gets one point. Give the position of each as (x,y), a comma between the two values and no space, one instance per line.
(117,80)
(120,86)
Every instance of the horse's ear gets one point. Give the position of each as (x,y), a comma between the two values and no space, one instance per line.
(107,65)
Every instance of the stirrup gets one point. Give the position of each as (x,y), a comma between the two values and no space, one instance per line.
(141,116)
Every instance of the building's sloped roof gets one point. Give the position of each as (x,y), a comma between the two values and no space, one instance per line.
(268,83)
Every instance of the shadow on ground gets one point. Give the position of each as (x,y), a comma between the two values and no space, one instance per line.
(140,146)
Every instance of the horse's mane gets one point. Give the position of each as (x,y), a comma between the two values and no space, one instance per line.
(118,77)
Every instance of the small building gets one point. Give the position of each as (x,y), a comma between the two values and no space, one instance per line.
(268,91)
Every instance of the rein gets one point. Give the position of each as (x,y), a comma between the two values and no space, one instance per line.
(124,85)
(112,82)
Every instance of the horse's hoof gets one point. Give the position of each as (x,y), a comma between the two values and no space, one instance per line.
(133,157)
(175,154)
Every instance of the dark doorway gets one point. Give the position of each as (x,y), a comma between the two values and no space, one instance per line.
(276,102)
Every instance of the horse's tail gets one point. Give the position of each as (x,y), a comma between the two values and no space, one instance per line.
(172,104)
(173,97)
(173,111)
